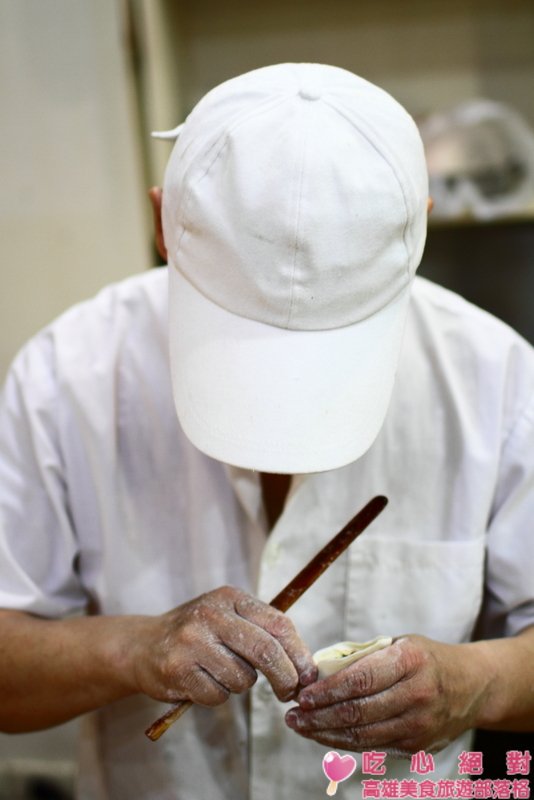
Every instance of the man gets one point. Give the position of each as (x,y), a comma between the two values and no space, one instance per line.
(309,372)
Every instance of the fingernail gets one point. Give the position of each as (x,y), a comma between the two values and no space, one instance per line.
(291,719)
(287,697)
(305,700)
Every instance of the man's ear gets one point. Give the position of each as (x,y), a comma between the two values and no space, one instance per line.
(430,205)
(156,195)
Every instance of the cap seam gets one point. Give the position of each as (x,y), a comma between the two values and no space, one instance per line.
(296,238)
(390,164)
(286,327)
(222,142)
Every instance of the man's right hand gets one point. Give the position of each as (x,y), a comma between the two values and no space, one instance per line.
(214,645)
(53,670)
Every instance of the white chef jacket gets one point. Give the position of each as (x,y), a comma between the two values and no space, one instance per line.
(104,502)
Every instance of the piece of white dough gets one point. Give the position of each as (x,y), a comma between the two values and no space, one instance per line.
(332,659)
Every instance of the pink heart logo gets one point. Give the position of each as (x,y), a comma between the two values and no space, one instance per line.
(338,768)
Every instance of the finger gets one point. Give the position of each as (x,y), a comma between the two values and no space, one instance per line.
(380,734)
(281,627)
(229,670)
(263,652)
(200,687)
(373,674)
(363,711)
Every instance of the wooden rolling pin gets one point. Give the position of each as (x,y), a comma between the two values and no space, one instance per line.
(294,589)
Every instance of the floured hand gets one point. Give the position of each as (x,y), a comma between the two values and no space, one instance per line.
(416,694)
(214,645)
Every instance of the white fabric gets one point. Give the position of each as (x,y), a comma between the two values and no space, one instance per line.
(295,197)
(104,500)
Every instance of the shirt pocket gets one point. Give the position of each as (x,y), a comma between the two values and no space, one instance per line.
(397,586)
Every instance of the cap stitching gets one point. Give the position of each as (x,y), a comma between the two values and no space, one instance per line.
(391,166)
(278,444)
(296,239)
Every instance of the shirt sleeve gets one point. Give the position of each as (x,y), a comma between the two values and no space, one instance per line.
(38,547)
(509,601)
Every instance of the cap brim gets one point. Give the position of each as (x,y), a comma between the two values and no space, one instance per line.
(277,400)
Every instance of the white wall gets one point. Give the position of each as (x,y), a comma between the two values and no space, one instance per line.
(72,213)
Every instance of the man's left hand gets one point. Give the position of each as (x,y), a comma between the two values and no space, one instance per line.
(417,694)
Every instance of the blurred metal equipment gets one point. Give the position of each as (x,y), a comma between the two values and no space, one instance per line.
(481,161)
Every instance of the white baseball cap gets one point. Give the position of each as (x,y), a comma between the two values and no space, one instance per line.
(294,215)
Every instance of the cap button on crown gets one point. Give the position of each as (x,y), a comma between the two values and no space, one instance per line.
(309,93)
